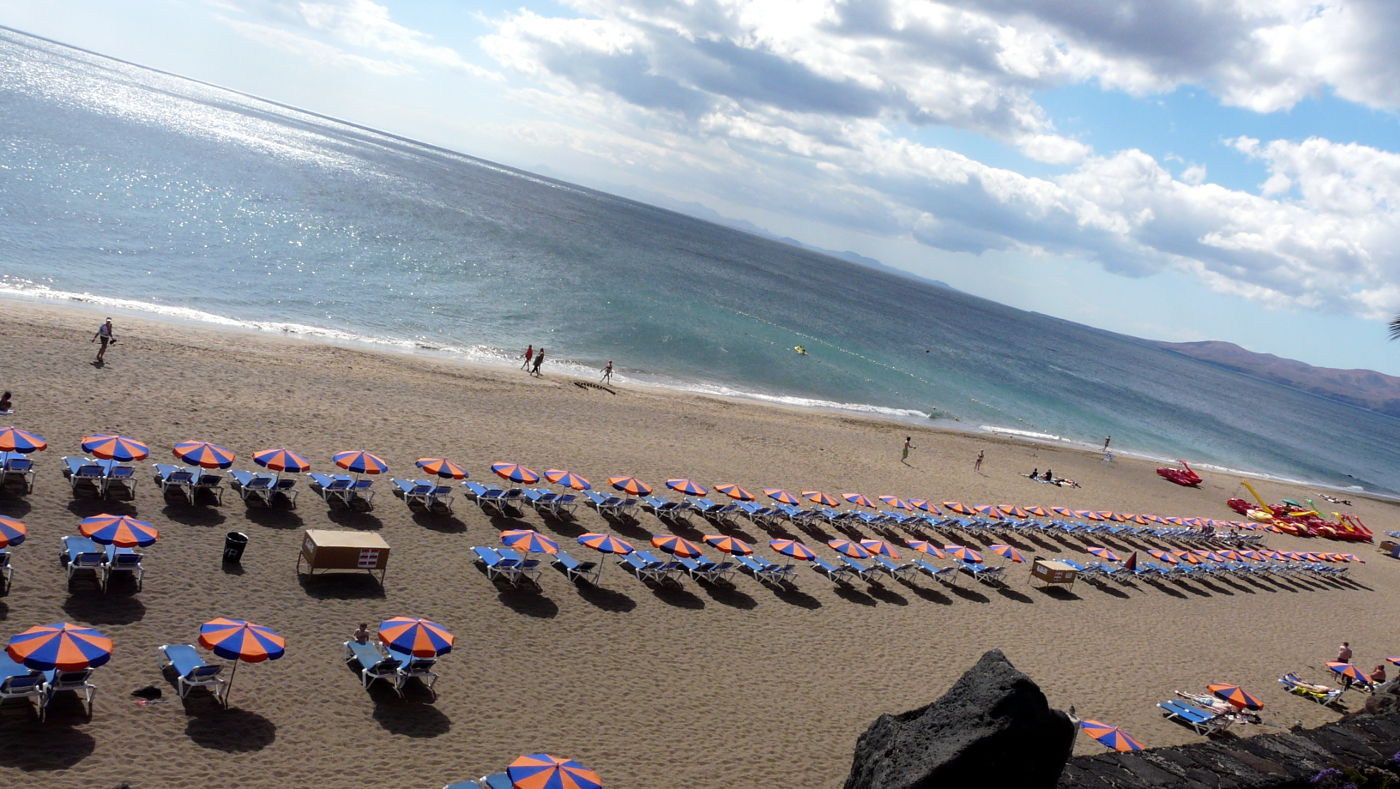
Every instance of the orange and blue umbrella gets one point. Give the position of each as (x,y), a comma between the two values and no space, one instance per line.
(604,543)
(958,507)
(63,646)
(924,546)
(630,485)
(529,541)
(792,548)
(1237,696)
(1393,659)
(676,546)
(12,532)
(203,454)
(417,637)
(12,439)
(1064,512)
(242,642)
(1349,671)
(281,460)
(1187,556)
(824,499)
(1112,736)
(441,467)
(732,545)
(781,496)
(118,448)
(1038,511)
(989,510)
(734,492)
(1174,520)
(1166,556)
(1104,553)
(925,505)
(542,771)
(1014,511)
(963,553)
(896,502)
(858,499)
(849,548)
(122,531)
(880,548)
(358,461)
(1007,552)
(515,473)
(567,479)
(686,487)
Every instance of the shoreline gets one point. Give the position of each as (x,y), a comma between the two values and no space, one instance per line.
(84,304)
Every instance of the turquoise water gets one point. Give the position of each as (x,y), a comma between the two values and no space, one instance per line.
(136,190)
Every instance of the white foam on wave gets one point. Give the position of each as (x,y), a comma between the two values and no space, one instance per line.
(793,400)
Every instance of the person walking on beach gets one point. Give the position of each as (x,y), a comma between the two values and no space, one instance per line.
(527,356)
(607,373)
(539,360)
(904,454)
(103,333)
(1105,443)
(977,464)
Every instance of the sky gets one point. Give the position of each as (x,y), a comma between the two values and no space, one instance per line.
(1173,169)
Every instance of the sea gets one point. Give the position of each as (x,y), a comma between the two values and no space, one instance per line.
(134,191)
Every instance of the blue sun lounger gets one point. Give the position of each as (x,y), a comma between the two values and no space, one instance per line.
(610,505)
(765,572)
(19,682)
(984,573)
(172,479)
(862,571)
(525,569)
(574,569)
(122,560)
(16,468)
(190,669)
(59,681)
(944,575)
(412,667)
(496,566)
(81,554)
(832,572)
(374,665)
(1199,720)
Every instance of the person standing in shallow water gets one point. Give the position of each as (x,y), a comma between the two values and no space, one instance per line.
(539,360)
(607,373)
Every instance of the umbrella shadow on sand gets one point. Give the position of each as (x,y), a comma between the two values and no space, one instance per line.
(730,595)
(274,518)
(355,519)
(232,730)
(527,601)
(181,512)
(52,746)
(102,609)
(444,522)
(604,598)
(410,716)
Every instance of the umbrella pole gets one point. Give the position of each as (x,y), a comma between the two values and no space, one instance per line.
(228,686)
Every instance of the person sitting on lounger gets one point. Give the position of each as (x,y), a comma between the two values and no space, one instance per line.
(1378,674)
(361,636)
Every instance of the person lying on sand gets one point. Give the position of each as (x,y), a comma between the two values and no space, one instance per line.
(1065,482)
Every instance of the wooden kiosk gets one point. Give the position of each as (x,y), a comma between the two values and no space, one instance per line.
(326,549)
(1051,572)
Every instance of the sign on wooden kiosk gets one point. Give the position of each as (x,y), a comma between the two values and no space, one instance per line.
(327,549)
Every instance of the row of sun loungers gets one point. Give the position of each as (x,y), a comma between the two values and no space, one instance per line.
(81,555)
(390,665)
(103,478)
(40,687)
(1097,572)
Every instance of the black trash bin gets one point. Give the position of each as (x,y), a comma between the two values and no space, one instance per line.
(235,542)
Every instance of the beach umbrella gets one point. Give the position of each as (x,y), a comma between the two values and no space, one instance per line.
(12,532)
(824,499)
(1104,553)
(858,499)
(988,510)
(728,544)
(203,454)
(1166,556)
(1174,520)
(12,439)
(567,479)
(630,485)
(515,473)
(118,448)
(122,531)
(281,460)
(676,546)
(1038,511)
(417,637)
(1112,736)
(542,771)
(925,505)
(924,546)
(529,541)
(963,553)
(358,461)
(604,543)
(63,646)
(1064,512)
(1237,696)
(1014,511)
(1347,670)
(792,548)
(1187,556)
(735,492)
(686,487)
(958,507)
(1007,552)
(896,502)
(242,642)
(1394,659)
(441,467)
(1131,562)
(880,548)
(849,548)
(781,496)
(1154,518)
(1089,515)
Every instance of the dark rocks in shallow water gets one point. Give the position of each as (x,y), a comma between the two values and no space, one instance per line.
(992,728)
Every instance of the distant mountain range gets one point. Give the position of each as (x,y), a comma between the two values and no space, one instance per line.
(1362,388)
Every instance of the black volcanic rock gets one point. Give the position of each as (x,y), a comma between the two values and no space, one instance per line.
(993,728)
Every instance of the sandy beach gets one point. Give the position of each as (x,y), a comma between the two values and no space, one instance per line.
(701,686)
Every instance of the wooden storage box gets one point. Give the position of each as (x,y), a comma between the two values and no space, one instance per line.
(326,549)
(1049,571)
